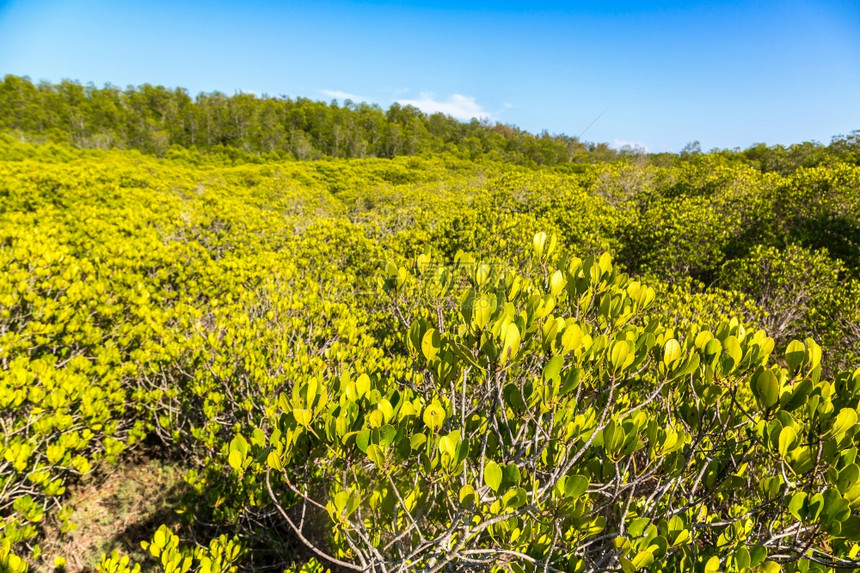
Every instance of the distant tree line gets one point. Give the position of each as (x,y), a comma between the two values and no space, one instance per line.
(152,119)
(786,159)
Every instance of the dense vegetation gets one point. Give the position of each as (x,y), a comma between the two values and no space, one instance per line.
(244,127)
(428,362)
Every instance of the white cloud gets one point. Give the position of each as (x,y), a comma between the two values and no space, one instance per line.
(457,106)
(337,94)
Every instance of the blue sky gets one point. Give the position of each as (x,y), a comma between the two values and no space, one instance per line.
(728,74)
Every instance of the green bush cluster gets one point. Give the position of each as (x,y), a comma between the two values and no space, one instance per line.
(433,364)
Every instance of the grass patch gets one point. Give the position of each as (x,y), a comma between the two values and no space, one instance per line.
(116,508)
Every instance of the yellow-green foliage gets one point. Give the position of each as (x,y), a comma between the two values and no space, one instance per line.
(220,556)
(431,363)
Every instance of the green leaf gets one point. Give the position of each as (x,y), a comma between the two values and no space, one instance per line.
(239,444)
(447,445)
(483,311)
(431,343)
(796,505)
(643,559)
(422,262)
(787,439)
(390,269)
(434,415)
(835,507)
(376,455)
(813,354)
(362,440)
(658,546)
(848,477)
(618,355)
(575,486)
(362,385)
(511,474)
(236,459)
(417,440)
(712,350)
(386,436)
(556,283)
(571,338)
(671,352)
(851,528)
(340,499)
(258,438)
(626,564)
(571,381)
(799,395)
(757,555)
(712,565)
(552,370)
(467,495)
(765,387)
(467,304)
(732,346)
(310,391)
(795,355)
(637,526)
(462,451)
(772,486)
(682,537)
(303,416)
(742,558)
(511,343)
(690,366)
(386,408)
(238,452)
(273,460)
(814,506)
(493,475)
(539,244)
(845,420)
(482,274)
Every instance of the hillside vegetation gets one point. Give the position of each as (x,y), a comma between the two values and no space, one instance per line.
(247,128)
(429,362)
